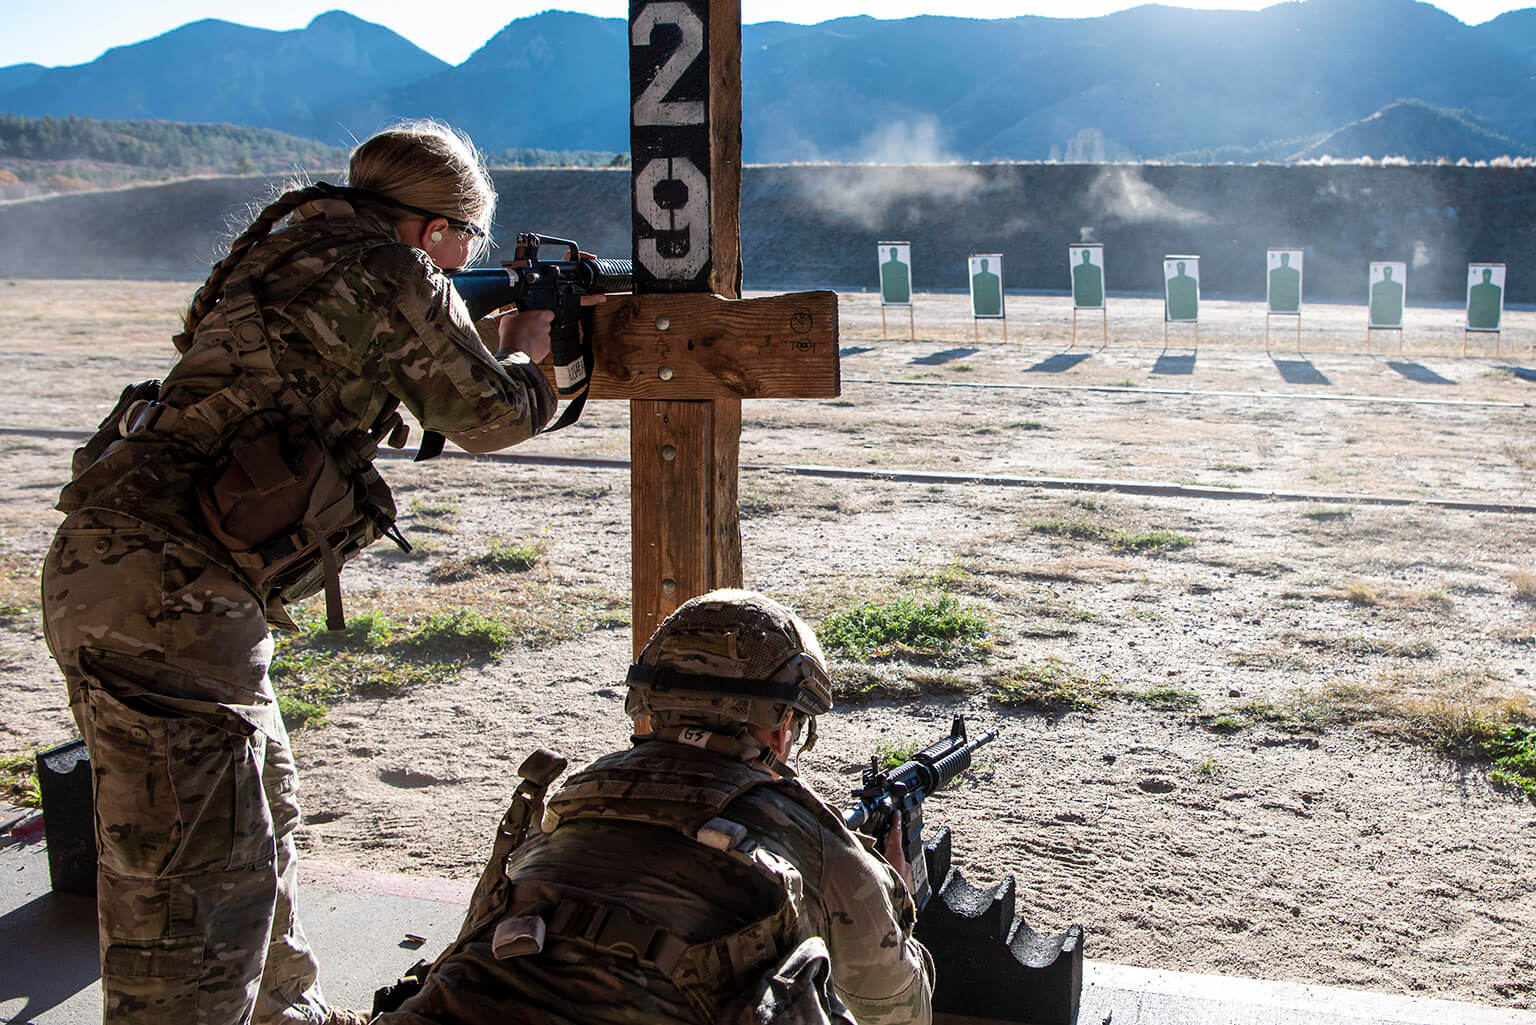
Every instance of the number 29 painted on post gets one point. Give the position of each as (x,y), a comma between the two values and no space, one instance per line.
(669,140)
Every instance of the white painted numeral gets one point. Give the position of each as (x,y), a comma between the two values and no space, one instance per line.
(651,108)
(692,217)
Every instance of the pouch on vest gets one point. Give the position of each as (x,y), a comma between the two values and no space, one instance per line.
(796,991)
(111,430)
(290,515)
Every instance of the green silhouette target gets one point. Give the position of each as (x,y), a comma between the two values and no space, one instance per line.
(1485,296)
(1283,286)
(986,273)
(1389,280)
(1087,265)
(1181,289)
(895,273)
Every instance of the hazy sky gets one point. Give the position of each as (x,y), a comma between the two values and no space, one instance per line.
(76,31)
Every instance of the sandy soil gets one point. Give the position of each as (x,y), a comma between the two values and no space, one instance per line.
(1200,837)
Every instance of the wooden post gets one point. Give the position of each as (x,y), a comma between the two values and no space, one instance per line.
(675,338)
(684,350)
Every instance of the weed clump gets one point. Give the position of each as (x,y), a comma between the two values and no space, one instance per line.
(930,627)
(1325,513)
(1049,686)
(499,557)
(1082,528)
(1166,699)
(18,779)
(377,654)
(1514,757)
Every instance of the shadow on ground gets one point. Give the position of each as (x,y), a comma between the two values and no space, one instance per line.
(1059,363)
(1417,372)
(50,954)
(933,359)
(1299,371)
(1170,364)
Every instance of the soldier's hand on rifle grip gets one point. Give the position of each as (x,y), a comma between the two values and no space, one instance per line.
(895,854)
(526,331)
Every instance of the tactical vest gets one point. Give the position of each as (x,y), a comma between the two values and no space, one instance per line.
(775,963)
(292,494)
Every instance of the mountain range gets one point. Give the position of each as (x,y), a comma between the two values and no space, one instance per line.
(1298,80)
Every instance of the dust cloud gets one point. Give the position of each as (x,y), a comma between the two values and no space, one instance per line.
(868,198)
(1122,193)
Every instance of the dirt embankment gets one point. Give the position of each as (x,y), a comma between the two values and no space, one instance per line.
(815,226)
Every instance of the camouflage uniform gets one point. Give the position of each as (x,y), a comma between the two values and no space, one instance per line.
(165,648)
(669,880)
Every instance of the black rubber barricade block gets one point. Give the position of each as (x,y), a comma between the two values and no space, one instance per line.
(988,963)
(64,780)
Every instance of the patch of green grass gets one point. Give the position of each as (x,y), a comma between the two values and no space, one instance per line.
(1225,723)
(377,654)
(1080,528)
(1210,768)
(1230,468)
(1358,645)
(18,779)
(499,557)
(926,626)
(1514,758)
(299,714)
(1124,382)
(1166,699)
(962,368)
(458,634)
(1324,513)
(1149,541)
(853,681)
(1049,686)
(432,509)
(1027,425)
(1083,528)
(891,753)
(952,577)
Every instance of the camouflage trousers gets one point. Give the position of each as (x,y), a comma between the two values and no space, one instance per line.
(165,655)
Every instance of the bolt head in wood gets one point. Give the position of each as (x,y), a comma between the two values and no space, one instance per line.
(668,452)
(662,323)
(669,586)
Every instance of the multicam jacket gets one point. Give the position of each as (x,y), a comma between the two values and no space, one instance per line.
(360,323)
(618,859)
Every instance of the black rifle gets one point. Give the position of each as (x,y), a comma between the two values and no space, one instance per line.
(555,285)
(904,789)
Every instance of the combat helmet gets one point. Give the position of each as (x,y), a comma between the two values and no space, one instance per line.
(724,661)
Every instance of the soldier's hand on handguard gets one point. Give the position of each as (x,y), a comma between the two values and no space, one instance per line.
(895,855)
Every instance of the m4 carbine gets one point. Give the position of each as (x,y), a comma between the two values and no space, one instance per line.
(556,285)
(904,789)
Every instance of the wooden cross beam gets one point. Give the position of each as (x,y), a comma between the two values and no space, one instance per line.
(685,349)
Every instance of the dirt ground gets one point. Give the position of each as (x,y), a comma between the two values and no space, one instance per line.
(1215,811)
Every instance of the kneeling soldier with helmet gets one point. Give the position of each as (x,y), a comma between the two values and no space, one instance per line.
(691,878)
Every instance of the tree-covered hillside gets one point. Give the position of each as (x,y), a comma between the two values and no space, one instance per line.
(45,155)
